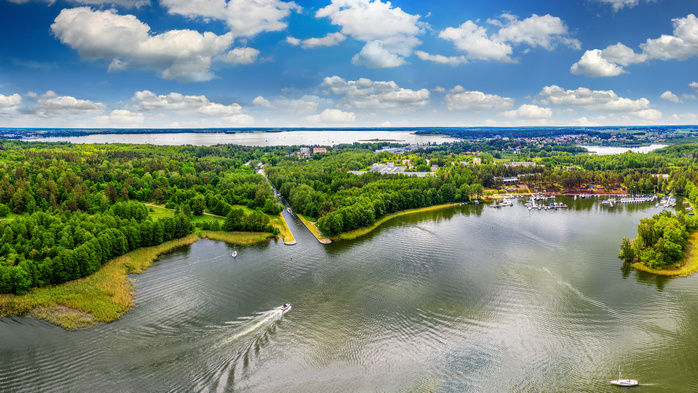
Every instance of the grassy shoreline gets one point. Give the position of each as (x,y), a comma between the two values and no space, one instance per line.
(351,235)
(686,267)
(106,295)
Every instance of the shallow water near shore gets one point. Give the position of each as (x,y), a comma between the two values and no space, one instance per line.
(465,299)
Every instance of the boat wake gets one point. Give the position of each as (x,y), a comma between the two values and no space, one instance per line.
(236,346)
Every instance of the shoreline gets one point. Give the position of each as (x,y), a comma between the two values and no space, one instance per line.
(356,233)
(106,295)
(687,266)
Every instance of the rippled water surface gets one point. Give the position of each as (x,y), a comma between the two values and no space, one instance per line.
(469,299)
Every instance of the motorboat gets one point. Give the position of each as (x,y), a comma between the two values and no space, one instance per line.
(624,381)
(285,308)
(288,209)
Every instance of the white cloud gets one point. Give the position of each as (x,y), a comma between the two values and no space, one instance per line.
(689,96)
(623,55)
(375,21)
(693,85)
(545,31)
(592,64)
(647,114)
(122,3)
(182,104)
(618,4)
(331,39)
(669,96)
(528,111)
(367,94)
(9,103)
(127,43)
(66,104)
(303,105)
(244,55)
(599,100)
(451,60)
(261,101)
(122,117)
(684,118)
(474,40)
(374,55)
(333,116)
(680,46)
(245,18)
(465,100)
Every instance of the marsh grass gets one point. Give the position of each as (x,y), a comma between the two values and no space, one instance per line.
(687,266)
(351,235)
(239,238)
(284,230)
(102,297)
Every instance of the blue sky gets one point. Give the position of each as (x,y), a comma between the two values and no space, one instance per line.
(347,63)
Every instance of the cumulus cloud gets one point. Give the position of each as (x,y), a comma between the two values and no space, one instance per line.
(669,96)
(55,105)
(9,103)
(599,100)
(128,43)
(261,101)
(244,17)
(528,111)
(333,116)
(593,64)
(373,21)
(121,116)
(682,45)
(182,104)
(451,60)
(331,39)
(374,55)
(545,31)
(459,99)
(122,3)
(240,56)
(693,85)
(619,4)
(367,94)
(647,114)
(305,105)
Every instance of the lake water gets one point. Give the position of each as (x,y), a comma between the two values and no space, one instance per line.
(286,138)
(470,299)
(608,150)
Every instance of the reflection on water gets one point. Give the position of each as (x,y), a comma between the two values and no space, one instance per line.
(465,299)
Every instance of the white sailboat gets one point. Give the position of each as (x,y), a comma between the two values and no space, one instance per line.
(624,381)
(235,251)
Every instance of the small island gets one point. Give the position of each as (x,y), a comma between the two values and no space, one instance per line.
(665,245)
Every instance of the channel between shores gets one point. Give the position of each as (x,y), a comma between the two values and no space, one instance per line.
(107,295)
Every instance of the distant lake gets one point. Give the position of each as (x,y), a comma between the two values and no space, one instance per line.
(284,138)
(608,150)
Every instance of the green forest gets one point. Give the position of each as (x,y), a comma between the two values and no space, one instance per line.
(67,209)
